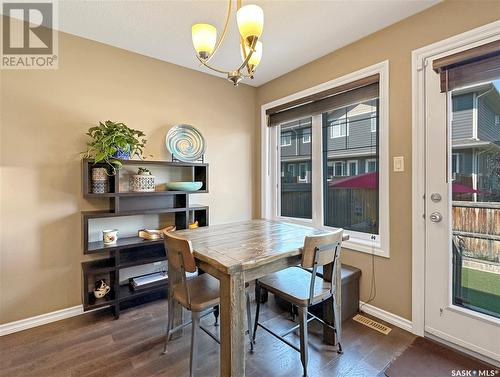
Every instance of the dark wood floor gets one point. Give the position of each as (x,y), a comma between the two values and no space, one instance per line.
(95,344)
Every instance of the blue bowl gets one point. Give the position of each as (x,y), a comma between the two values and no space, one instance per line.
(184,186)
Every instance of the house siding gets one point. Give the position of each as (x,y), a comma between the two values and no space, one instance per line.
(487,130)
(463,116)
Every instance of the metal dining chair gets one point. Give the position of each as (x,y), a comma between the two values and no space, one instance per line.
(303,288)
(199,294)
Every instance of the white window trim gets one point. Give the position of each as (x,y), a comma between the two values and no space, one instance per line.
(270,182)
(367,163)
(282,137)
(305,175)
(356,163)
(342,168)
(373,124)
(332,136)
(293,169)
(306,139)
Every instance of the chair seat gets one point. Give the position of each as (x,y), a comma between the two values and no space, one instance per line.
(204,290)
(293,284)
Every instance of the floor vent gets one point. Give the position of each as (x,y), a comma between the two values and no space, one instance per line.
(372,324)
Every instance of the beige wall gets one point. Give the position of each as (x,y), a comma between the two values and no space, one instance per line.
(395,43)
(44,117)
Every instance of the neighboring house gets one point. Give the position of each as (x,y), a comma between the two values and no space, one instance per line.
(351,134)
(475,159)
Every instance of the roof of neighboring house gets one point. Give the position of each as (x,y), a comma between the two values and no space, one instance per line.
(473,143)
(493,96)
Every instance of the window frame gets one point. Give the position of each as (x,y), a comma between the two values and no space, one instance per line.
(345,123)
(289,135)
(356,163)
(308,138)
(299,179)
(367,164)
(373,123)
(270,154)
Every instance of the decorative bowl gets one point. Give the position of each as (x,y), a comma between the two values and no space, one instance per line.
(185,143)
(184,186)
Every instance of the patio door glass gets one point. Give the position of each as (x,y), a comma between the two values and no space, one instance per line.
(475,177)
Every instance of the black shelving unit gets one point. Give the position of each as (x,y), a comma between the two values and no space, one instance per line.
(134,251)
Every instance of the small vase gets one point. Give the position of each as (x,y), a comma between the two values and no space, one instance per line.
(99,181)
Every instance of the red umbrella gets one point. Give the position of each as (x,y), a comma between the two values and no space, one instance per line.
(459,188)
(362,181)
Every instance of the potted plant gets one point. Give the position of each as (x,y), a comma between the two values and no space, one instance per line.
(112,142)
(143,181)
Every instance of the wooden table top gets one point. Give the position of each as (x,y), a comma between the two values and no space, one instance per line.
(247,244)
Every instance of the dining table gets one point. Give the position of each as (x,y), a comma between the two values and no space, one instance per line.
(238,253)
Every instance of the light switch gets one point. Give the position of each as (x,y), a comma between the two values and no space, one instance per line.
(399,163)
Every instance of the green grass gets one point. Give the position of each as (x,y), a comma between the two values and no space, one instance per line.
(481,289)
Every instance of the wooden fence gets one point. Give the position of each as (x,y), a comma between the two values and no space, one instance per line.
(477,226)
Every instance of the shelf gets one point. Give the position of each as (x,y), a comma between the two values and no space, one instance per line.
(99,266)
(132,194)
(157,162)
(196,207)
(131,258)
(94,303)
(126,293)
(122,243)
(108,213)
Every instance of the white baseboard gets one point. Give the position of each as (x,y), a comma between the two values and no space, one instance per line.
(28,323)
(393,319)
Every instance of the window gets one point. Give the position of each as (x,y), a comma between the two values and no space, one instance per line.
(352,167)
(371,165)
(339,128)
(306,136)
(346,136)
(295,178)
(373,122)
(455,164)
(286,139)
(338,168)
(303,172)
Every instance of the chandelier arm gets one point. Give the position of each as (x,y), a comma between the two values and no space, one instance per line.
(224,30)
(252,50)
(210,67)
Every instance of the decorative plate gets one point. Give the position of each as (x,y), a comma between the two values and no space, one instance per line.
(185,143)
(184,186)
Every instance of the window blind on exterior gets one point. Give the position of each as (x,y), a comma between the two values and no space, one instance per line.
(341,96)
(477,64)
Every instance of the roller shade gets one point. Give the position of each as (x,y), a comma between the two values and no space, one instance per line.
(343,95)
(477,64)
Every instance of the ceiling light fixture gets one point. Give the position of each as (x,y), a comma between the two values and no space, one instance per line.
(250,19)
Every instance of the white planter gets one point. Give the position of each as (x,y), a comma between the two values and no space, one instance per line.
(142,183)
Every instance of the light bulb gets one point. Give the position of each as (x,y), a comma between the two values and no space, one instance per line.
(250,22)
(204,39)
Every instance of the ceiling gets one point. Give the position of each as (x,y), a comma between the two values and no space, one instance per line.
(295,32)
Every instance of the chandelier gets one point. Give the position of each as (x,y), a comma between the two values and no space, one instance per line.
(250,19)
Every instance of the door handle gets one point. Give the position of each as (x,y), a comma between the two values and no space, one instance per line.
(436,217)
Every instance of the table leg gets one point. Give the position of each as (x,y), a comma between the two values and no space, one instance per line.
(174,277)
(232,329)
(328,314)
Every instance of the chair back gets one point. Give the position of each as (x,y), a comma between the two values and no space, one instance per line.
(321,249)
(318,251)
(179,252)
(180,256)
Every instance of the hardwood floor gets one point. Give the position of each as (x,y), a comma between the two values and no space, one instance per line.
(95,344)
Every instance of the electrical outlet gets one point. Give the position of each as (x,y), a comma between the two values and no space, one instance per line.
(399,164)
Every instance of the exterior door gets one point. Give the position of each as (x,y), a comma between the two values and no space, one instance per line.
(462,221)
